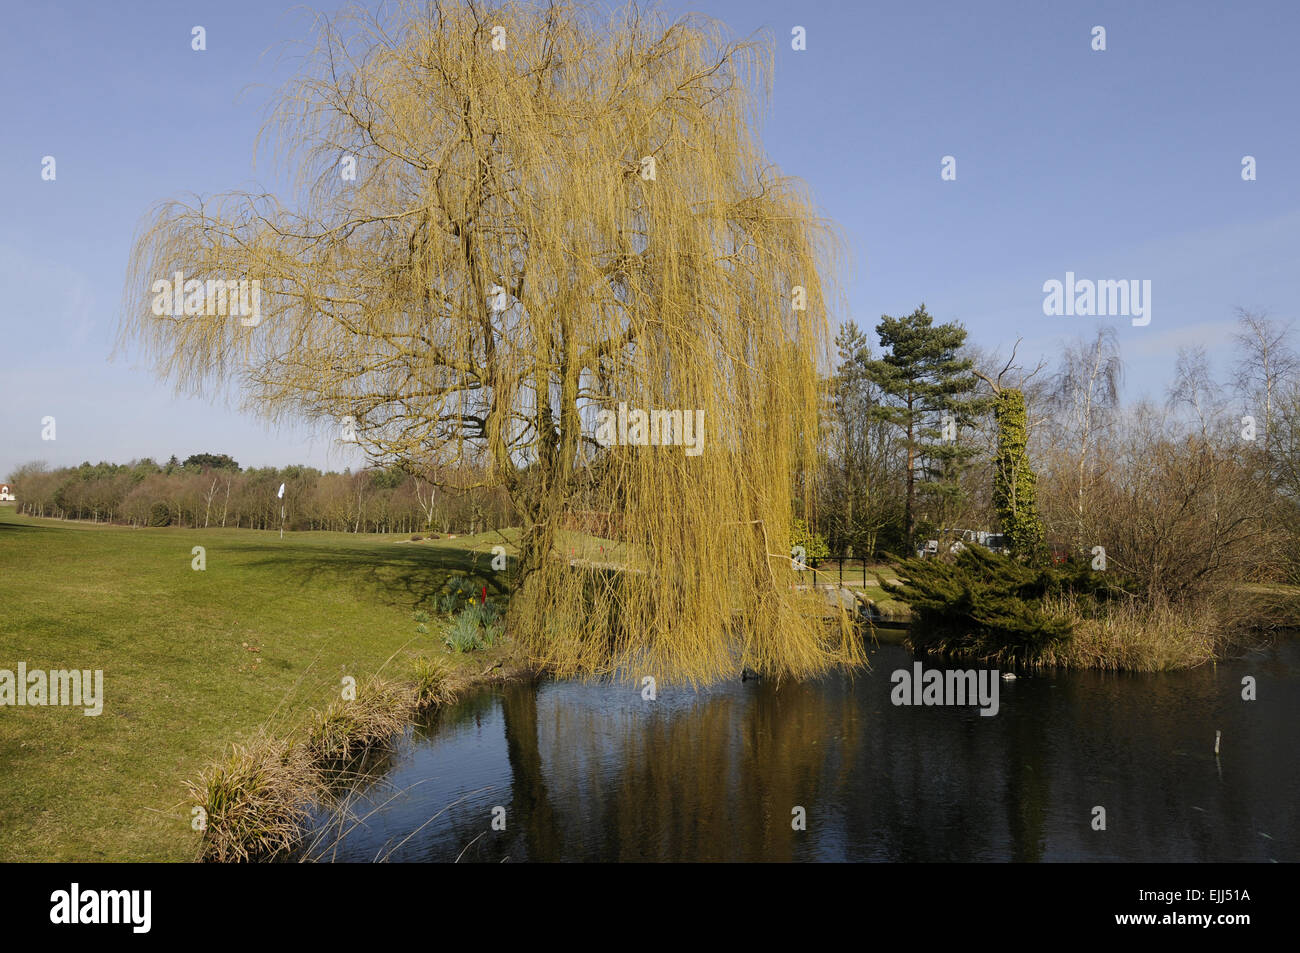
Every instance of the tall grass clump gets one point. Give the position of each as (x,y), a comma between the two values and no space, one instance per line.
(433,683)
(1139,635)
(255,799)
(343,728)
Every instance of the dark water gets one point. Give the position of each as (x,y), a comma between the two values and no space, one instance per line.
(594,772)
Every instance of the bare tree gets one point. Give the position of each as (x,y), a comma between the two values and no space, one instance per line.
(1267,359)
(229,476)
(425,498)
(1179,513)
(1194,389)
(1085,395)
(207,502)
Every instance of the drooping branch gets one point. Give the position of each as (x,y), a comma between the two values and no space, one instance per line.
(503,267)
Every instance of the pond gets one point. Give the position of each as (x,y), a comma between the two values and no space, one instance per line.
(594,771)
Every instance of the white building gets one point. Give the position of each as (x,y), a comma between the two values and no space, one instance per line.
(6,495)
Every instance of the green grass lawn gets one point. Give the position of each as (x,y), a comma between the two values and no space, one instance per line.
(892,608)
(192,661)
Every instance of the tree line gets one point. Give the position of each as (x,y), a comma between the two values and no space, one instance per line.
(212,490)
(1193,490)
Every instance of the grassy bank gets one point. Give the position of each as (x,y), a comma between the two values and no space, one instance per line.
(194,661)
(256,798)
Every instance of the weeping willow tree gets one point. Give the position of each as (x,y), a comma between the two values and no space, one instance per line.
(511,219)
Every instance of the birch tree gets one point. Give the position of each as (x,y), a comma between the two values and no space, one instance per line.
(1085,395)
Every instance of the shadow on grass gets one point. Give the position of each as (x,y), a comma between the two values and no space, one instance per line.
(411,577)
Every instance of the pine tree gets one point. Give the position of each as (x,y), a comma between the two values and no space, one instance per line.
(925,380)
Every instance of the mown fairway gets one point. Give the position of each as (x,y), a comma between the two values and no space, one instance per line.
(191,660)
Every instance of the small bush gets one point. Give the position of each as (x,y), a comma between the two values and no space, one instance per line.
(420,615)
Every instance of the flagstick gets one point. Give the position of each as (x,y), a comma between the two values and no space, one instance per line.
(280,496)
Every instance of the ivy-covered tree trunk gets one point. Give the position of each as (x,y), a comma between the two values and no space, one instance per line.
(1014,482)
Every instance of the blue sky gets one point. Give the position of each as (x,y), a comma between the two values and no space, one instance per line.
(1123,164)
